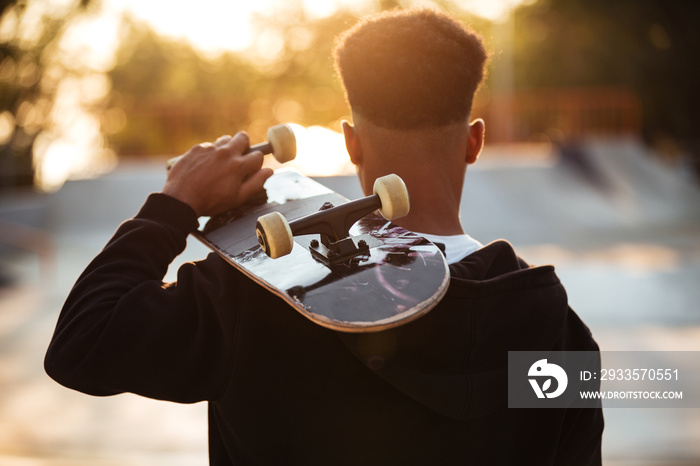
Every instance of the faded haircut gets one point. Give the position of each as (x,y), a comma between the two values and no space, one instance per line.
(410,69)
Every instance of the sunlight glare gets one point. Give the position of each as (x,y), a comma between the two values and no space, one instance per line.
(321,8)
(493,10)
(76,147)
(7,126)
(214,27)
(211,26)
(320,152)
(91,42)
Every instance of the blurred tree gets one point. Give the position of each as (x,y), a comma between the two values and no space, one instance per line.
(168,96)
(28,81)
(163,92)
(649,46)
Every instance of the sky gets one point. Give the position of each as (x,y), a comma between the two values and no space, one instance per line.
(221,25)
(217,26)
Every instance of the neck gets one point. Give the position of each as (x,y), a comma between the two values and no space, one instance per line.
(434,208)
(431,161)
(435,196)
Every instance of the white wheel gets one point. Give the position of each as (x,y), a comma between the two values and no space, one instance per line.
(393,194)
(283,142)
(274,235)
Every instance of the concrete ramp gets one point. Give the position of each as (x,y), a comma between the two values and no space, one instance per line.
(598,187)
(103,203)
(645,190)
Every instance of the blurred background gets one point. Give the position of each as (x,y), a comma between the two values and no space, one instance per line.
(592,162)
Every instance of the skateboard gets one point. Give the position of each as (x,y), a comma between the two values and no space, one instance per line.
(339,263)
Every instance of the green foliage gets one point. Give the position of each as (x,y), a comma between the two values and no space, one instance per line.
(174,97)
(649,46)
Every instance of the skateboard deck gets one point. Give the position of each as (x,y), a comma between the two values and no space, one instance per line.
(402,277)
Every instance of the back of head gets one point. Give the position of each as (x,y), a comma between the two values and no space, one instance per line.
(410,69)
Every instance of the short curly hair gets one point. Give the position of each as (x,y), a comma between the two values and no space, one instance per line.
(409,69)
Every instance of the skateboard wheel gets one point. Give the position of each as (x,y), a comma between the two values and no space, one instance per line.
(274,235)
(393,195)
(283,142)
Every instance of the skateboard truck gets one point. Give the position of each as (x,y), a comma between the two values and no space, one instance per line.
(333,225)
(275,234)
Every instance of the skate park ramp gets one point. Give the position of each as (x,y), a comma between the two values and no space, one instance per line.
(621,227)
(595,188)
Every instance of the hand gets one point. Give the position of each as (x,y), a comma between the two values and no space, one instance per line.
(213,178)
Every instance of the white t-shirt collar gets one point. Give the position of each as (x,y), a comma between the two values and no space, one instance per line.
(457,247)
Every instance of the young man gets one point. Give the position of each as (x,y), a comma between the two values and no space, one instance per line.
(282,390)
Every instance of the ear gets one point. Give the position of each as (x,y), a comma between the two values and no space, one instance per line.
(475,140)
(352,143)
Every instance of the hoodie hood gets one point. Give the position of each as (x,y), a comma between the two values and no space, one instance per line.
(454,359)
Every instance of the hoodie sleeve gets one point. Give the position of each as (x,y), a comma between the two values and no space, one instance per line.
(123,330)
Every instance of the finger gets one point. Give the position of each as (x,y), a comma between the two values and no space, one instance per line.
(239,143)
(251,162)
(254,183)
(223,140)
(193,152)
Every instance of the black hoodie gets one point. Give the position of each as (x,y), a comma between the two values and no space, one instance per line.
(282,390)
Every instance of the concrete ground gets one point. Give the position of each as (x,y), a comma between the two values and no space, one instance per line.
(622,229)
